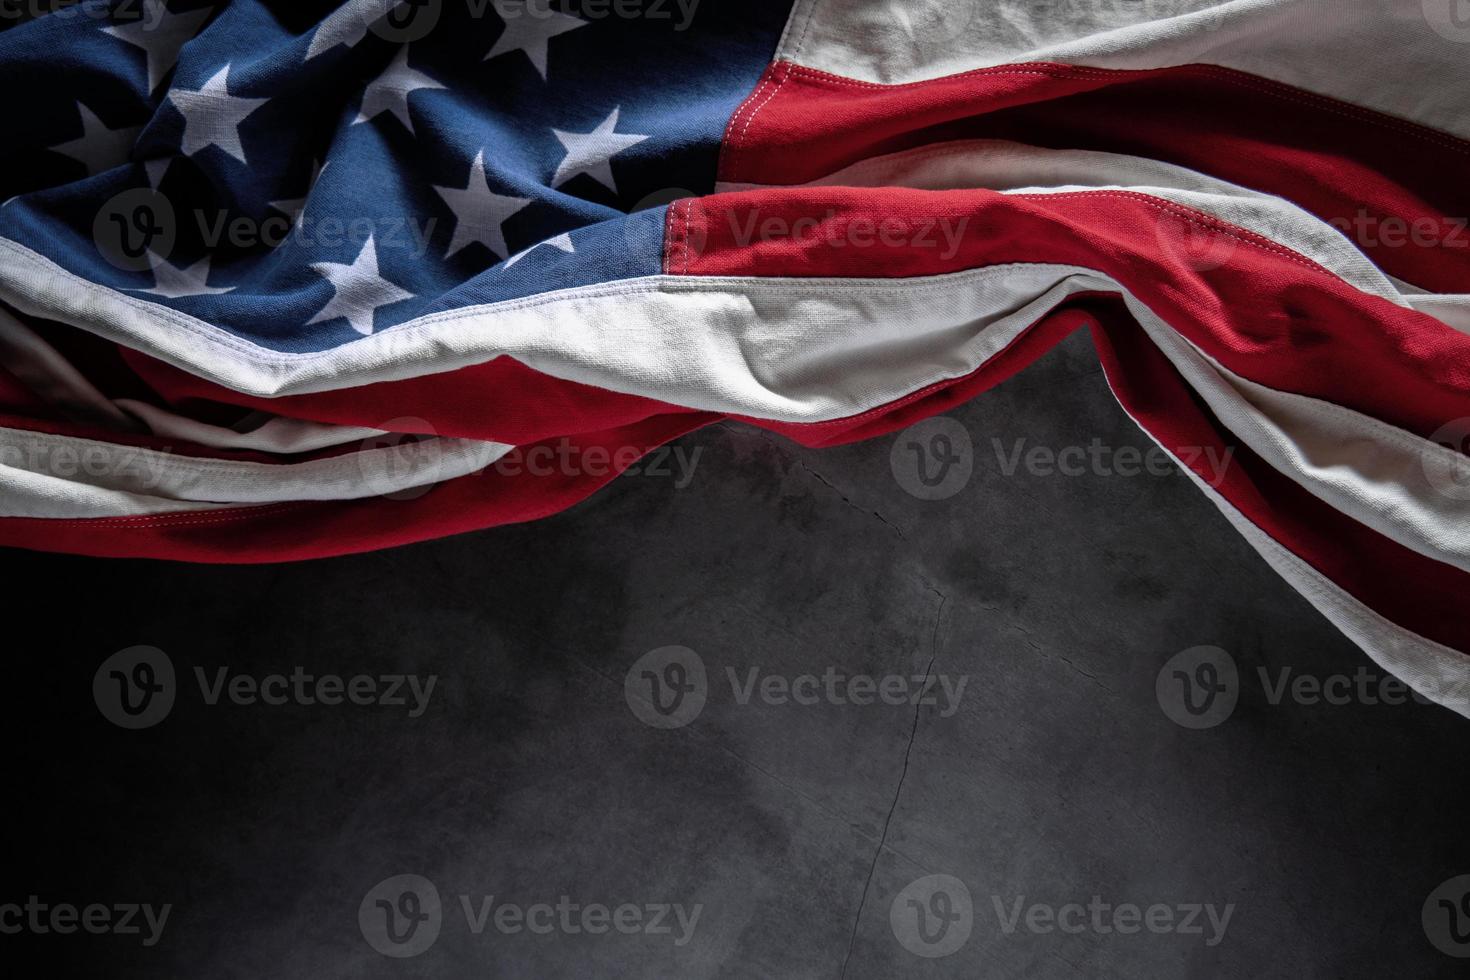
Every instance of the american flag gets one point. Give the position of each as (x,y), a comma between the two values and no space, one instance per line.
(291,278)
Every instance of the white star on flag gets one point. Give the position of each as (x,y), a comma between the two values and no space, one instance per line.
(563,242)
(479,212)
(348,24)
(592,153)
(389,92)
(171,282)
(212,116)
(99,148)
(357,290)
(532,33)
(160,34)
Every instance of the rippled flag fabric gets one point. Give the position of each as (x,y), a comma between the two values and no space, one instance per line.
(283,279)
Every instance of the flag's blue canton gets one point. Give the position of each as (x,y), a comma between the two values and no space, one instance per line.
(492,157)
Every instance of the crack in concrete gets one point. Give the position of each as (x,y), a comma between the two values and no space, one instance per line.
(1092,677)
(833,487)
(690,731)
(1076,668)
(1017,627)
(897,790)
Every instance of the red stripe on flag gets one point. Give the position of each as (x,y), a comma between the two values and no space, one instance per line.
(1264,311)
(1344,163)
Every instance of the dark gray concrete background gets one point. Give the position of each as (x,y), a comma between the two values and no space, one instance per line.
(795,827)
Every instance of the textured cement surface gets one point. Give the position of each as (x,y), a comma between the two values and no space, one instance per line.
(1055,778)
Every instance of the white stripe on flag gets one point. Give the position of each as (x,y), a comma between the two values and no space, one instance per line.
(1439,673)
(1380,54)
(55,476)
